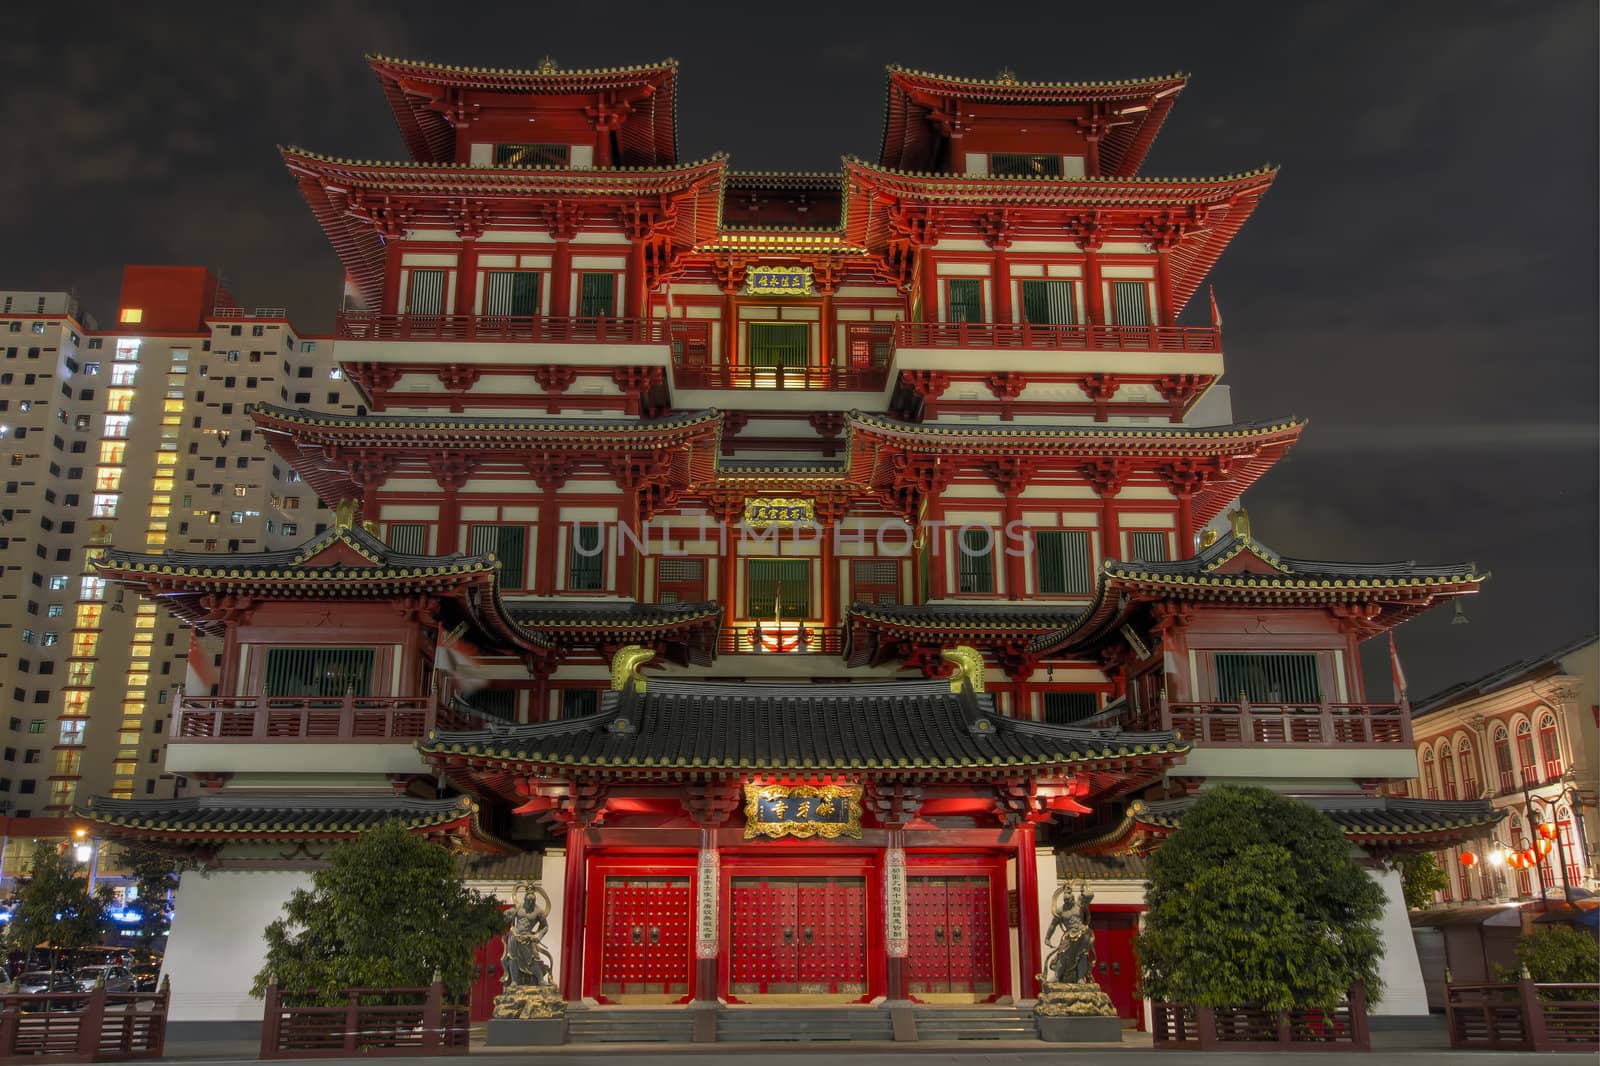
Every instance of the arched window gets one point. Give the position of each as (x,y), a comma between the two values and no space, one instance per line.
(1519,840)
(1569,845)
(1502,759)
(1525,757)
(1469,769)
(1430,780)
(1447,770)
(1550,746)
(1446,859)
(1464,874)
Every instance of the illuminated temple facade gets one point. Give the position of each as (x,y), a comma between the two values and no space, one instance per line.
(800,575)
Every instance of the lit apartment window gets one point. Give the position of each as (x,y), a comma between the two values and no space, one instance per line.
(93,588)
(122,373)
(49,640)
(104,505)
(91,368)
(241,490)
(117,426)
(58,582)
(131,315)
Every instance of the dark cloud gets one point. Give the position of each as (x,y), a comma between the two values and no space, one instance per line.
(1420,282)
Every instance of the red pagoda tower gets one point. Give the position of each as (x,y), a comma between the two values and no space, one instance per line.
(801,574)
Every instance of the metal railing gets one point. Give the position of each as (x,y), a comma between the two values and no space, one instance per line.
(314,718)
(1075,338)
(1244,724)
(535,329)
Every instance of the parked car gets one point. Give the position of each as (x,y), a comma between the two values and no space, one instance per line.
(117,978)
(38,981)
(146,978)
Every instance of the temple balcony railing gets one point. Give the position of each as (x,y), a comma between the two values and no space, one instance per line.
(529,329)
(313,719)
(783,639)
(1244,724)
(1063,338)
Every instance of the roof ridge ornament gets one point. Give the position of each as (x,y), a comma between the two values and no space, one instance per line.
(1240,518)
(547,65)
(625,664)
(344,513)
(969,667)
(1007,76)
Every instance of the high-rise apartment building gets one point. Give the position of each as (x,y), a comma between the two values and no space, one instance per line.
(135,434)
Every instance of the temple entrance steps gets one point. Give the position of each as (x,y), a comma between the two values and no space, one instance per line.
(803,1024)
(975,1023)
(629,1025)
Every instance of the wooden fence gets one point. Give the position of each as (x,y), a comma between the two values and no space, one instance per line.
(1184,1028)
(95,1026)
(426,1027)
(1524,1016)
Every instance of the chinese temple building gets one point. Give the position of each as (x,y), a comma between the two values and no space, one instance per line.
(799,575)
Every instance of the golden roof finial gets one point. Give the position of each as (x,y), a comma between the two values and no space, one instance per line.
(1208,537)
(969,667)
(625,666)
(1007,76)
(547,65)
(1241,522)
(344,513)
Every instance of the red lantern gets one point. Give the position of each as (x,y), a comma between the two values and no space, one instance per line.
(1547,830)
(1543,845)
(1529,858)
(1469,859)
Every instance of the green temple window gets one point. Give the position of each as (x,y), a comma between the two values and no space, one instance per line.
(975,561)
(1064,564)
(1268,677)
(326,672)
(586,563)
(778,589)
(509,545)
(963,300)
(597,295)
(511,293)
(1048,303)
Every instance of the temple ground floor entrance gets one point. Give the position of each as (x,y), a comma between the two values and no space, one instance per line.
(798,936)
(952,947)
(646,952)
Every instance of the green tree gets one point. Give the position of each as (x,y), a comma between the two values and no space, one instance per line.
(388,910)
(55,909)
(1560,954)
(1257,899)
(155,876)
(1420,878)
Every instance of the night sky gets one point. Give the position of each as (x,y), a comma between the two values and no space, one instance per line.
(1420,283)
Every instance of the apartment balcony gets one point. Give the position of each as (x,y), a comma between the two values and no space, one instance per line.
(311,734)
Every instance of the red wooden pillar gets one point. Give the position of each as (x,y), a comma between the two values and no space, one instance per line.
(449,539)
(391,276)
(633,300)
(825,341)
(708,925)
(730,328)
(896,939)
(1164,315)
(1002,280)
(830,574)
(575,902)
(937,542)
(1185,494)
(561,279)
(1016,562)
(627,558)
(930,283)
(1028,961)
(467,277)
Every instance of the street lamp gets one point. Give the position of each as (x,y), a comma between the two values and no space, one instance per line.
(86,852)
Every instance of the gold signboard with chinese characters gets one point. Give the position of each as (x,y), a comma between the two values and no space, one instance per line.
(762,511)
(778,281)
(826,811)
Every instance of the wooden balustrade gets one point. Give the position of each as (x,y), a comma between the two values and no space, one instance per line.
(535,329)
(428,1026)
(1524,1016)
(94,1026)
(314,718)
(820,640)
(1178,1027)
(1073,338)
(1245,724)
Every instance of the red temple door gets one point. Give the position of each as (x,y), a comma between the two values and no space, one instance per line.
(645,945)
(952,950)
(798,935)
(487,978)
(1116,966)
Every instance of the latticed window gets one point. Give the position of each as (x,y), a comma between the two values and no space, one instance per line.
(875,581)
(1048,303)
(975,561)
(680,580)
(511,292)
(1430,776)
(1550,745)
(1064,568)
(1149,547)
(409,537)
(427,292)
(779,588)
(332,672)
(1130,303)
(509,544)
(1064,708)
(779,343)
(965,300)
(530,155)
(1268,677)
(586,562)
(577,702)
(1023,165)
(597,295)
(494,703)
(1469,769)
(1447,770)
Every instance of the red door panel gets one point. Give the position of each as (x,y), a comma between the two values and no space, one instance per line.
(1116,967)
(952,949)
(929,958)
(798,935)
(646,938)
(487,978)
